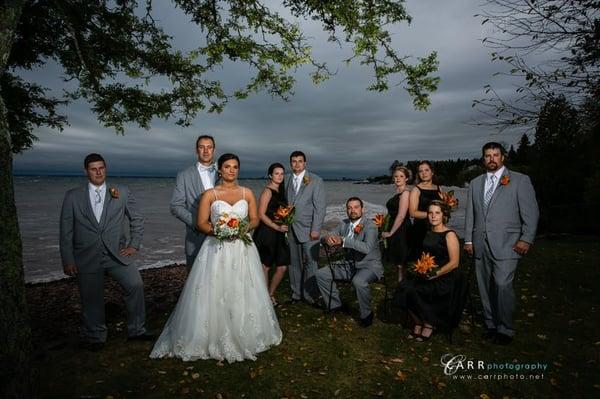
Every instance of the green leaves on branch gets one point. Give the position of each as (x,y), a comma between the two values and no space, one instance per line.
(121,60)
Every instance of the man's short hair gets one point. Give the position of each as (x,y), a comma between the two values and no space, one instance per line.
(354,199)
(492,145)
(93,157)
(205,137)
(297,154)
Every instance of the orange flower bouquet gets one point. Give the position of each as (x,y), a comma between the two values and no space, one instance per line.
(424,267)
(449,199)
(231,227)
(285,215)
(383,224)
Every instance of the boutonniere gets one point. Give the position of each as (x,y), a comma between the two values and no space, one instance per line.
(504,180)
(114,192)
(358,228)
(306,180)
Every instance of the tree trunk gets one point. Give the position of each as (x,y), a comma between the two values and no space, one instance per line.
(16,372)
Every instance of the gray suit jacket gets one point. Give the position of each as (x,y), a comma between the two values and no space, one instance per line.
(83,239)
(512,215)
(184,206)
(363,247)
(310,205)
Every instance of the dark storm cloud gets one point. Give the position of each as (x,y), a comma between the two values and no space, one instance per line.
(344,129)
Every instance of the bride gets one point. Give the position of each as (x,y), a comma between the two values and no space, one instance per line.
(224,310)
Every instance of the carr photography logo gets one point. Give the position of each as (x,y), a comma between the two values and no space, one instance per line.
(458,366)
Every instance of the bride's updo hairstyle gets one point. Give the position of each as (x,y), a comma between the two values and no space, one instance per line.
(226,157)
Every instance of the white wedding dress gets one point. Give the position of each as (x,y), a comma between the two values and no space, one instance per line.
(224,310)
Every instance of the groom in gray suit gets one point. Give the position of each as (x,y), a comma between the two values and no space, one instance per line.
(306,192)
(93,243)
(500,225)
(359,236)
(189,186)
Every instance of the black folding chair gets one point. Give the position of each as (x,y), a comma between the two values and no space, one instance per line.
(339,258)
(342,258)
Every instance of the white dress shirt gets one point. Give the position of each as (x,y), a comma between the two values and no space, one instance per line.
(298,180)
(488,180)
(351,231)
(97,205)
(208,175)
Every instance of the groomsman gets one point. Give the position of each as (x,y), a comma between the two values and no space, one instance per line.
(500,225)
(359,236)
(306,192)
(189,186)
(92,244)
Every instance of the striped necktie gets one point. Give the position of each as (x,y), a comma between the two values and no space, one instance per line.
(490,191)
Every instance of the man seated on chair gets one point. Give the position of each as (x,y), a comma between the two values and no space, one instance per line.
(357,235)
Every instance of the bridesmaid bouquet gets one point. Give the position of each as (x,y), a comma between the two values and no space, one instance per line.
(383,224)
(231,227)
(449,199)
(285,216)
(424,267)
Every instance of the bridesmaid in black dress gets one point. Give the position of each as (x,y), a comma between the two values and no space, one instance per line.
(435,303)
(269,236)
(397,207)
(425,191)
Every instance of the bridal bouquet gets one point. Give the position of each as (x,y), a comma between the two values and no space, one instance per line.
(383,224)
(230,227)
(424,267)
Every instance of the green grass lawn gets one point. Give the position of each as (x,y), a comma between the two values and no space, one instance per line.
(322,356)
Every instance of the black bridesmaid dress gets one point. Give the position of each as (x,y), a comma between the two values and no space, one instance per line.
(397,244)
(420,227)
(439,301)
(272,245)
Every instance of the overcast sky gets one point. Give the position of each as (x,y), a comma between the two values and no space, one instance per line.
(344,129)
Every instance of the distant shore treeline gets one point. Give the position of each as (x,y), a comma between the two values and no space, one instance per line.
(451,172)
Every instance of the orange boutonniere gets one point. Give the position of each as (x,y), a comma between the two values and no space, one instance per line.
(114,192)
(306,180)
(358,228)
(504,180)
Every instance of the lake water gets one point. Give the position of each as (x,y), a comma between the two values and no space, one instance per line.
(39,200)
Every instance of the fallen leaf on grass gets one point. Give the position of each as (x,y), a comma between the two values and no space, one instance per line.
(484,396)
(541,336)
(396,360)
(195,376)
(162,372)
(553,382)
(400,376)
